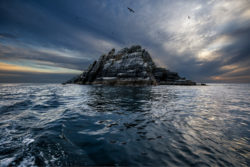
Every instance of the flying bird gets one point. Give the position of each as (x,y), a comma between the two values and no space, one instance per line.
(131,10)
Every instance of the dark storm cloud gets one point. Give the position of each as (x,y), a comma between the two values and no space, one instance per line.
(7,35)
(52,24)
(200,40)
(59,57)
(239,50)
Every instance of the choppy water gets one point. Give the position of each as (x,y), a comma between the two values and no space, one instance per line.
(64,125)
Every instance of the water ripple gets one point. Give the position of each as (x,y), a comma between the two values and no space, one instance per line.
(73,125)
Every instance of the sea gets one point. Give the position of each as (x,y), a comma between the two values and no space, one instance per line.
(83,125)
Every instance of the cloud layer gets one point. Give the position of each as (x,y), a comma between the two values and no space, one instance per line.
(207,41)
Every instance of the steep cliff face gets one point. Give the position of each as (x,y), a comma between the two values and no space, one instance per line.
(129,66)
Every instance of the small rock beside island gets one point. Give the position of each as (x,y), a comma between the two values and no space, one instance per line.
(129,66)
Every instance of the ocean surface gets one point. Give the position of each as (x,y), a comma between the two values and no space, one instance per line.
(74,125)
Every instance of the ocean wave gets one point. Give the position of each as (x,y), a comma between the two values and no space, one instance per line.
(73,125)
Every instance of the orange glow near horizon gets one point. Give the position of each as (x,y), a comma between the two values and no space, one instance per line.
(18,68)
(11,67)
(230,78)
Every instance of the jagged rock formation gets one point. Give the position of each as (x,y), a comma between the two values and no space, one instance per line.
(129,66)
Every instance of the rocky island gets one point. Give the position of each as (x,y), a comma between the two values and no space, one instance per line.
(129,66)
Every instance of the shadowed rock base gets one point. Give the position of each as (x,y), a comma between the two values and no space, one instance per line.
(129,66)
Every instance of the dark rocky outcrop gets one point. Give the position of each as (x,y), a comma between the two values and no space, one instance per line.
(129,66)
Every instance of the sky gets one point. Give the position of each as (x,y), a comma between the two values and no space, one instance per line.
(52,41)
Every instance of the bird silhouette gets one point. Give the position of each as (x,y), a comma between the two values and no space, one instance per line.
(131,10)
